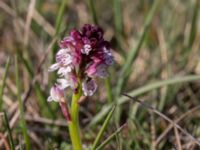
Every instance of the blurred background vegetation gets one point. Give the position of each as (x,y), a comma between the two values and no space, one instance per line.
(157,59)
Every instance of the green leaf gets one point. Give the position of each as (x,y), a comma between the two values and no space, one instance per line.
(102,145)
(4,82)
(103,128)
(12,145)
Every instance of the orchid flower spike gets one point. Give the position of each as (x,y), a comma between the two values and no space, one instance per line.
(83,56)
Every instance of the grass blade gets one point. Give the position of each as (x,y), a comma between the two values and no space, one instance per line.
(58,25)
(102,145)
(118,16)
(142,90)
(93,11)
(4,82)
(109,89)
(193,30)
(158,84)
(22,120)
(103,128)
(60,15)
(163,116)
(12,145)
(46,111)
(126,70)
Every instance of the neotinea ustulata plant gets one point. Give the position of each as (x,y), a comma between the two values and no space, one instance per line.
(83,56)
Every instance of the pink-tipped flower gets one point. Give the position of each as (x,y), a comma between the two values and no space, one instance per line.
(56,94)
(83,55)
(97,70)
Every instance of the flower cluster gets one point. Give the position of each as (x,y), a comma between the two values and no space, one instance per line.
(83,55)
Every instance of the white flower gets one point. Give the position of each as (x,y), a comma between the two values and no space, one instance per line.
(53,67)
(86,49)
(56,94)
(64,57)
(63,62)
(64,71)
(68,81)
(63,83)
(89,87)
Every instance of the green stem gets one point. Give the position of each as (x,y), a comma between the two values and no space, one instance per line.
(74,129)
(109,89)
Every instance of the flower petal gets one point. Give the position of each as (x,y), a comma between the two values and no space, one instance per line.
(89,87)
(63,71)
(56,94)
(101,71)
(49,99)
(64,57)
(86,49)
(91,70)
(63,83)
(53,67)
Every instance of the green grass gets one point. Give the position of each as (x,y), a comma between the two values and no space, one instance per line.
(104,143)
(46,111)
(103,128)
(21,107)
(4,82)
(118,17)
(193,30)
(131,56)
(59,20)
(93,11)
(140,91)
(11,141)
(156,49)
